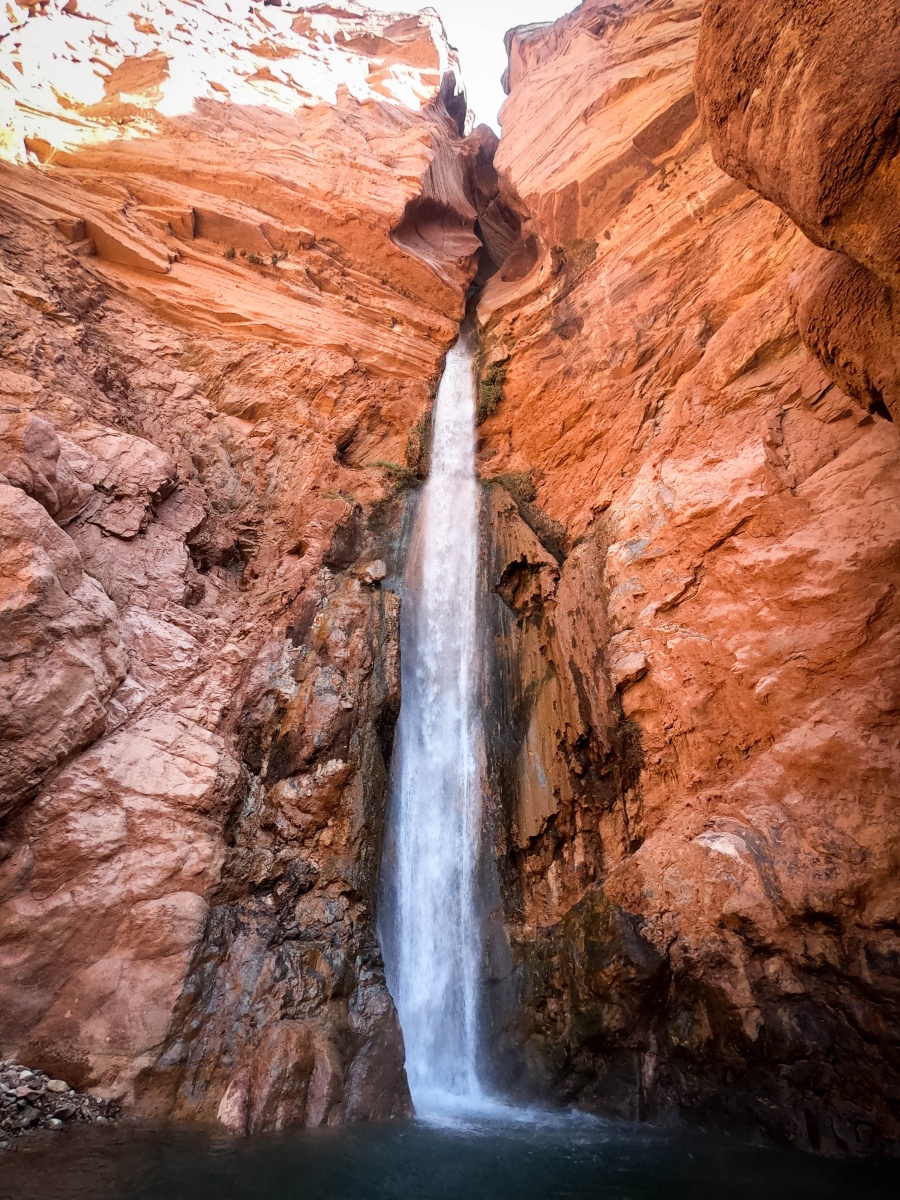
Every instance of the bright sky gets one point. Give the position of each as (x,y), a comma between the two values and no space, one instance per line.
(476,29)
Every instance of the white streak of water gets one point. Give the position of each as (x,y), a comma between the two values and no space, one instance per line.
(431,923)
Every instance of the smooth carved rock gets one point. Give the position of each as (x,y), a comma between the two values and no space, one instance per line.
(30,458)
(385,200)
(801,102)
(845,315)
(121,851)
(213,296)
(800,99)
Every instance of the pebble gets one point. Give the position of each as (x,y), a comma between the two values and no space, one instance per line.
(374,572)
(57,1085)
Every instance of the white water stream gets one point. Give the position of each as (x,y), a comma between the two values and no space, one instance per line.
(430,911)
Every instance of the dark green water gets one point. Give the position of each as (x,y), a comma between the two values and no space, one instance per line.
(562,1160)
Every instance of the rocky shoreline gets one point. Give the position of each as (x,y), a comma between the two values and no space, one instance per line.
(31,1100)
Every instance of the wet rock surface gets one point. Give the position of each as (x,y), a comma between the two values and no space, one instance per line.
(285,1018)
(31,1101)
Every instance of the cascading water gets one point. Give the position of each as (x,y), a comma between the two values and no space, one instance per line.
(430,914)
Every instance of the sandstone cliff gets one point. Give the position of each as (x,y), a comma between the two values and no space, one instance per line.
(695,578)
(236,242)
(801,103)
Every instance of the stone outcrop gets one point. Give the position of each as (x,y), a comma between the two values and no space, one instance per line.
(236,242)
(696,603)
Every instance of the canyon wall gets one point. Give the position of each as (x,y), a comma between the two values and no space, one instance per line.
(694,561)
(236,242)
(801,104)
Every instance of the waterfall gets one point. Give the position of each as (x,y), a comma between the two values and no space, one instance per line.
(431,927)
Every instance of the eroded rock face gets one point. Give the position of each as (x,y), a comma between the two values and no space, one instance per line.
(801,102)
(236,244)
(62,654)
(297,1026)
(701,794)
(213,331)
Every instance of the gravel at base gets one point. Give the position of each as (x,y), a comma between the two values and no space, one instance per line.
(31,1100)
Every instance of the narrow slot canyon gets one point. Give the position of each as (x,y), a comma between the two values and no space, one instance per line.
(448,600)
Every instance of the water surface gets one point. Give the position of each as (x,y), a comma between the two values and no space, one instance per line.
(565,1159)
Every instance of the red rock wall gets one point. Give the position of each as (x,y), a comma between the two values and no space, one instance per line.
(701,856)
(801,101)
(693,535)
(218,318)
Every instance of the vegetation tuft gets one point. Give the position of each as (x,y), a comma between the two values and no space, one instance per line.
(490,390)
(581,254)
(549,532)
(519,484)
(418,445)
(403,477)
(572,261)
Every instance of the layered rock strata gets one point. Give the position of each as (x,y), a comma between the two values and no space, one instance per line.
(695,589)
(236,241)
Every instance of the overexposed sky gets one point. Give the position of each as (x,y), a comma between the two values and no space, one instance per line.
(476,29)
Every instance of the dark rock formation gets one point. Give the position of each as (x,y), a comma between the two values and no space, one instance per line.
(285,1018)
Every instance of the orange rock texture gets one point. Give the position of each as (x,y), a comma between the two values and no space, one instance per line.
(801,103)
(696,603)
(236,241)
